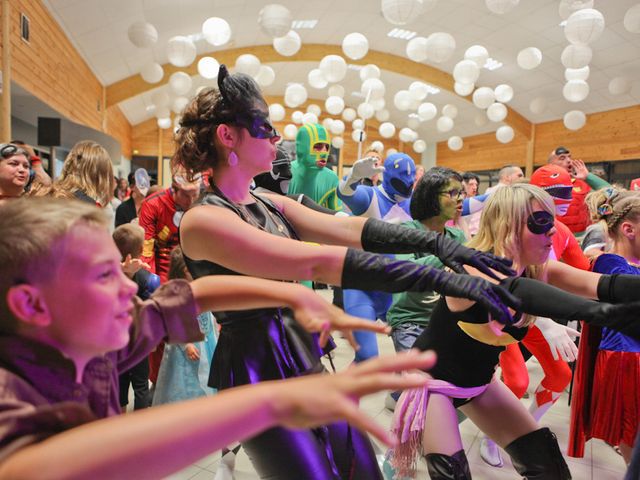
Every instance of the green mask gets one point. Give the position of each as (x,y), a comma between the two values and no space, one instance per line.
(309,135)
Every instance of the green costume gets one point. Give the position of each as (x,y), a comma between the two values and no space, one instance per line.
(318,183)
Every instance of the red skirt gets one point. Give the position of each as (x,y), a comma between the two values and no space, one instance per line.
(615,403)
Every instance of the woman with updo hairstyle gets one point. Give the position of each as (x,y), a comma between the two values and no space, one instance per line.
(607,401)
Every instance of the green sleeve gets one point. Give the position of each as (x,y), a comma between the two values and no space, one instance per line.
(595,182)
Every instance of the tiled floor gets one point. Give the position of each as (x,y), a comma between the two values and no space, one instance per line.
(600,461)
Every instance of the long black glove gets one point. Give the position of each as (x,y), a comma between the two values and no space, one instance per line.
(368,271)
(383,237)
(544,300)
(618,288)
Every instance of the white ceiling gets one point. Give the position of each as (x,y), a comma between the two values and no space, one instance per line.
(98,29)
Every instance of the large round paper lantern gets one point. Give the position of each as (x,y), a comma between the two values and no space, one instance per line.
(427,111)
(160,98)
(383,115)
(387,130)
(503,93)
(401,12)
(377,145)
(574,120)
(358,135)
(179,104)
(419,90)
(501,6)
(575,90)
(288,44)
(348,114)
(357,124)
(266,76)
(419,146)
(181,51)
(466,71)
(143,35)
(496,112)
(315,109)
(290,131)
(576,56)
(369,71)
(336,91)
(402,100)
(334,68)
(584,26)
(477,54)
(529,58)
(295,95)
(483,97)
(337,127)
(334,105)
(327,122)
(444,124)
(632,19)
(152,72)
(316,79)
(276,112)
(216,31)
(505,134)
(275,20)
(208,67)
(372,89)
(180,83)
(619,86)
(463,89)
(577,73)
(309,118)
(337,142)
(417,49)
(455,143)
(355,46)
(164,122)
(378,104)
(366,111)
(297,117)
(440,47)
(405,134)
(480,119)
(248,64)
(567,7)
(450,111)
(538,105)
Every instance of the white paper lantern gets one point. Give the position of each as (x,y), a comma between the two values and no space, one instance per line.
(427,111)
(337,142)
(455,143)
(378,104)
(413,122)
(440,47)
(355,46)
(387,130)
(143,34)
(365,110)
(275,20)
(417,49)
(287,45)
(503,93)
(297,117)
(567,7)
(477,54)
(377,146)
(316,79)
(577,73)
(369,71)
(164,122)
(466,71)
(357,124)
(480,119)
(391,151)
(372,89)
(208,67)
(336,91)
(632,19)
(248,64)
(575,90)
(162,112)
(152,72)
(501,6)
(574,120)
(529,58)
(315,109)
(496,112)
(415,103)
(327,122)
(463,89)
(334,68)
(179,104)
(161,98)
(334,105)
(216,31)
(584,26)
(358,135)
(309,118)
(505,134)
(337,127)
(419,146)
(483,97)
(538,105)
(348,114)
(180,83)
(619,86)
(276,112)
(576,56)
(444,124)
(181,51)
(266,76)
(290,131)
(402,100)
(450,111)
(406,134)
(401,12)
(295,95)
(419,90)
(383,115)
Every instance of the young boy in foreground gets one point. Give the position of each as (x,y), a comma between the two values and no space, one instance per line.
(69,324)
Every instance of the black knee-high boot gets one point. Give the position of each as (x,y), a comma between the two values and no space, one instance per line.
(445,467)
(537,456)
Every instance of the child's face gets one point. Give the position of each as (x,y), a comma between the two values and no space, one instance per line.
(90,298)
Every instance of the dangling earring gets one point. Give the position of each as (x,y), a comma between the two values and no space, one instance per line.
(232,159)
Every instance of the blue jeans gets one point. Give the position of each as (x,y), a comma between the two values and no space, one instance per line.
(404,336)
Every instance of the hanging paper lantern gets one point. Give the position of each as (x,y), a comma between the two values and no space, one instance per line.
(372,89)
(290,131)
(248,64)
(567,7)
(348,114)
(355,46)
(450,111)
(309,118)
(406,134)
(575,90)
(483,97)
(143,35)
(401,12)
(477,54)
(455,143)
(584,26)
(576,56)
(620,86)
(316,79)
(164,122)
(577,73)
(503,93)
(463,89)
(276,112)
(382,115)
(180,83)
(419,146)
(315,109)
(287,45)
(574,120)
(208,67)
(357,124)
(336,91)
(501,6)
(466,71)
(496,112)
(181,51)
(337,142)
(369,71)
(427,111)
(275,20)
(337,127)
(297,117)
(216,31)
(334,105)
(179,104)
(444,124)
(529,58)
(632,19)
(387,130)
(419,90)
(334,68)
(295,95)
(266,76)
(358,135)
(365,110)
(505,134)
(161,98)
(440,47)
(402,100)
(378,104)
(152,72)
(417,49)
(538,105)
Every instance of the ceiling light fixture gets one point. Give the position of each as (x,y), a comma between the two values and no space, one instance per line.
(302,24)
(492,64)
(401,33)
